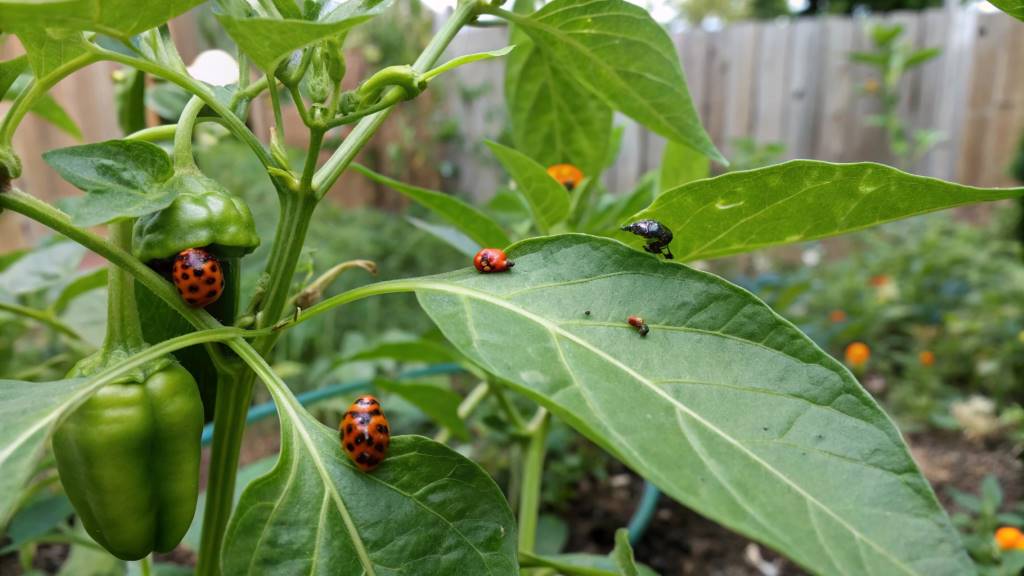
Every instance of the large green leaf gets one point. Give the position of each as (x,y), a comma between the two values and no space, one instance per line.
(724,405)
(120,18)
(617,51)
(548,200)
(268,40)
(1014,8)
(28,410)
(43,268)
(50,49)
(464,216)
(121,179)
(797,201)
(439,403)
(45,106)
(10,70)
(425,508)
(553,119)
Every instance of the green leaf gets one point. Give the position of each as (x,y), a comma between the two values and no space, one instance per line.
(920,57)
(121,179)
(553,119)
(425,506)
(622,554)
(424,351)
(10,70)
(84,283)
(48,109)
(29,411)
(680,165)
(268,40)
(465,59)
(731,410)
(797,201)
(120,18)
(36,519)
(618,52)
(548,200)
(447,234)
(42,268)
(1014,8)
(465,217)
(50,49)
(582,564)
(439,404)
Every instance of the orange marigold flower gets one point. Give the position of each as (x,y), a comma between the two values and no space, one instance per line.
(837,316)
(1009,538)
(567,175)
(927,358)
(879,280)
(857,354)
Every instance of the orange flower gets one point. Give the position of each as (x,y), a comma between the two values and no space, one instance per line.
(871,86)
(837,316)
(927,358)
(567,175)
(1009,538)
(857,354)
(879,280)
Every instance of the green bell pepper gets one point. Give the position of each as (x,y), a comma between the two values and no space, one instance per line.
(202,214)
(129,461)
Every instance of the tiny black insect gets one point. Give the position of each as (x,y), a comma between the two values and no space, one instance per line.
(658,234)
(587,312)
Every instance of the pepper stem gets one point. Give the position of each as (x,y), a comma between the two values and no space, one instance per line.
(123,327)
(183,134)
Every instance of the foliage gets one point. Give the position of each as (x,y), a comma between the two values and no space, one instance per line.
(891,60)
(725,405)
(979,517)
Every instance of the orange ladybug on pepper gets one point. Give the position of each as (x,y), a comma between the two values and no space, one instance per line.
(491,260)
(567,175)
(365,434)
(199,277)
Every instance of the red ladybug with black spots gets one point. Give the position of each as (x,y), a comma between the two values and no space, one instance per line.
(199,277)
(365,434)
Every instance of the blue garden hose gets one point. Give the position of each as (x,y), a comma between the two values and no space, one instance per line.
(637,524)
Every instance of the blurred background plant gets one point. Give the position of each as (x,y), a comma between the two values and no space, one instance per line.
(891,59)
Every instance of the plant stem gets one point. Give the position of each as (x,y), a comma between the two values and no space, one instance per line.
(533,470)
(275,102)
(498,390)
(183,158)
(233,122)
(37,88)
(365,129)
(466,407)
(146,566)
(233,396)
(123,327)
(40,316)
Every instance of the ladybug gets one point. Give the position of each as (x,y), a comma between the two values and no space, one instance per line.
(567,175)
(199,277)
(638,323)
(658,234)
(492,260)
(364,433)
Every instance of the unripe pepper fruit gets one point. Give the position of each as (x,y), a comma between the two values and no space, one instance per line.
(129,461)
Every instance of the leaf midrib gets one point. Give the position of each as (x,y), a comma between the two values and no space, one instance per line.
(556,330)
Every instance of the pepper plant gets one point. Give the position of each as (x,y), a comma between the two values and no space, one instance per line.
(721,403)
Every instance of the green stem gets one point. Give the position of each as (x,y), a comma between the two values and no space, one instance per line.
(367,127)
(300,104)
(40,316)
(183,158)
(466,407)
(123,327)
(530,560)
(510,410)
(533,470)
(233,396)
(234,123)
(146,566)
(275,102)
(316,141)
(167,131)
(37,88)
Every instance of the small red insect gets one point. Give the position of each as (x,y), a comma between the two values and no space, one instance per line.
(492,260)
(365,435)
(638,323)
(199,277)
(567,175)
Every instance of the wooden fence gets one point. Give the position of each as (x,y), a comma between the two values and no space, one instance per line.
(786,81)
(791,81)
